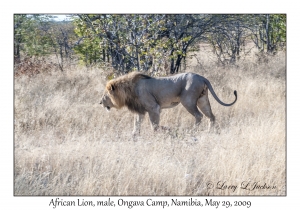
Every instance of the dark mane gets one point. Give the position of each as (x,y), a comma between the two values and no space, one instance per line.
(133,103)
(124,88)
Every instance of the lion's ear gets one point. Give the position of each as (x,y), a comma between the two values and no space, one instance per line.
(111,88)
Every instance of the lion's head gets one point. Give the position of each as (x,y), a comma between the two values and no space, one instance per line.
(106,101)
(121,92)
(111,96)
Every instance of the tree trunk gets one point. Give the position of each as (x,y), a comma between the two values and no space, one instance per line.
(103,55)
(61,54)
(268,33)
(178,62)
(17,57)
(137,58)
(172,69)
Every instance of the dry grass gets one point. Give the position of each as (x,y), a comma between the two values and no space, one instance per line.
(67,144)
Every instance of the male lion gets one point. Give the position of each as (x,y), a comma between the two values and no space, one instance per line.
(142,93)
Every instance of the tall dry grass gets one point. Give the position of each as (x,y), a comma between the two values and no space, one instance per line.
(67,144)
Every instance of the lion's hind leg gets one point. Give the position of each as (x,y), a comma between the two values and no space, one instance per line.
(193,110)
(204,106)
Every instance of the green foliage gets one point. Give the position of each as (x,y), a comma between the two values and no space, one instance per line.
(30,34)
(229,37)
(147,41)
(139,42)
(269,32)
(124,38)
(277,29)
(39,35)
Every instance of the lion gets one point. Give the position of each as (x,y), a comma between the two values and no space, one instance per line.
(143,94)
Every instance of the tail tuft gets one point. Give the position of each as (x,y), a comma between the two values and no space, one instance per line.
(235,93)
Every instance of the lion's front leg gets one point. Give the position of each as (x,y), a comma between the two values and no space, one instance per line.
(138,118)
(154,116)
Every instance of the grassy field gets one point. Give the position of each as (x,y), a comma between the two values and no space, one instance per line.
(67,144)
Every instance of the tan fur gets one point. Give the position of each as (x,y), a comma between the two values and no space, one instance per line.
(141,93)
(123,93)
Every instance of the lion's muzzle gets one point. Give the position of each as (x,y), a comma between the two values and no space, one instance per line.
(106,107)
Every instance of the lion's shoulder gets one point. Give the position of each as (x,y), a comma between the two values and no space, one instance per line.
(127,80)
(135,77)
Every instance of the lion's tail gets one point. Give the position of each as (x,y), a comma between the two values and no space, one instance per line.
(215,95)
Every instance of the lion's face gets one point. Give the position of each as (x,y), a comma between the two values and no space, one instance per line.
(106,101)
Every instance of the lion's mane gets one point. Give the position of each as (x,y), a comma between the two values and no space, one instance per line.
(124,91)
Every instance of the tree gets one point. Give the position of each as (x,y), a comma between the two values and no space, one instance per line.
(123,40)
(228,37)
(62,38)
(38,35)
(269,31)
(182,32)
(139,41)
(29,35)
